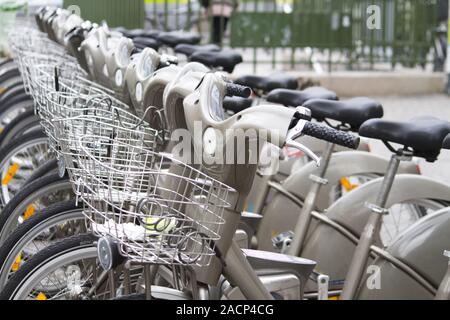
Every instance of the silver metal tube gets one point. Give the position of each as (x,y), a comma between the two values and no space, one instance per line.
(262,194)
(239,272)
(361,254)
(112,283)
(148,281)
(304,219)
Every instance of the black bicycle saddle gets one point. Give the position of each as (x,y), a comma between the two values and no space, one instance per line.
(424,135)
(295,98)
(268,83)
(353,112)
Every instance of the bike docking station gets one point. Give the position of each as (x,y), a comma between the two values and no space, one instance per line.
(141,159)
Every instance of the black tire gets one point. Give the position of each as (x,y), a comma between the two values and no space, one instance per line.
(14,93)
(49,253)
(44,218)
(9,85)
(25,194)
(20,124)
(6,61)
(8,73)
(48,167)
(21,100)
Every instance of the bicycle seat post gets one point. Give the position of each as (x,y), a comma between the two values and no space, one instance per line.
(372,227)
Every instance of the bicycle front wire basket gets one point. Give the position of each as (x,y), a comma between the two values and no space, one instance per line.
(170,217)
(26,42)
(104,120)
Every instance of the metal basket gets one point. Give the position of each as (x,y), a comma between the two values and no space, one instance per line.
(46,74)
(158,216)
(53,88)
(25,42)
(103,120)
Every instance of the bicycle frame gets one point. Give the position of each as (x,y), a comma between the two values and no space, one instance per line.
(333,236)
(299,184)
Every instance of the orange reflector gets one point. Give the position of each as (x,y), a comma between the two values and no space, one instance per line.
(41,296)
(333,298)
(29,212)
(10,174)
(348,186)
(16,263)
(419,171)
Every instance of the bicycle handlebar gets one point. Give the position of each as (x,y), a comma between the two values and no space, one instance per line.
(331,135)
(236,90)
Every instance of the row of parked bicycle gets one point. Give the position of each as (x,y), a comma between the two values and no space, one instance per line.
(102,198)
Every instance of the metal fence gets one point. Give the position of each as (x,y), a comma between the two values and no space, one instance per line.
(332,33)
(126,13)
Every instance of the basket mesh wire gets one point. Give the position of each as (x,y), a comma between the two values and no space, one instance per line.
(104,121)
(156,216)
(25,42)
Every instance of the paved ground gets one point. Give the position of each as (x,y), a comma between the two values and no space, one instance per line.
(408,107)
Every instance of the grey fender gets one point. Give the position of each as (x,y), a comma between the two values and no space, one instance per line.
(318,146)
(421,248)
(342,164)
(315,145)
(332,250)
(350,212)
(281,214)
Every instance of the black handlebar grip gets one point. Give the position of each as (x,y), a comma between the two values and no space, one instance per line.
(236,90)
(331,135)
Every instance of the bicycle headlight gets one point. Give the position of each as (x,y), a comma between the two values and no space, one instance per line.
(215,106)
(123,56)
(146,67)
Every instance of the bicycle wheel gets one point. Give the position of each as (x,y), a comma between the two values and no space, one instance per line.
(8,73)
(10,84)
(400,216)
(66,270)
(13,110)
(21,122)
(34,197)
(58,221)
(18,159)
(47,168)
(12,97)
